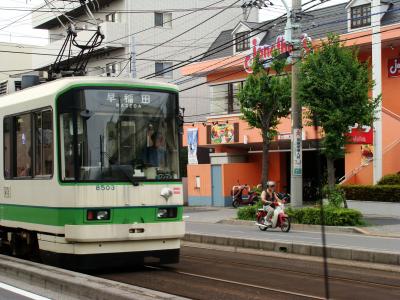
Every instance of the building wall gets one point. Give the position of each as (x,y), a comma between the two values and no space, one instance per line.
(14,63)
(234,174)
(199,196)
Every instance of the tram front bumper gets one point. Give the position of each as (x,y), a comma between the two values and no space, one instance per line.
(124,232)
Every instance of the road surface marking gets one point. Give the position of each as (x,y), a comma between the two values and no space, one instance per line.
(20,292)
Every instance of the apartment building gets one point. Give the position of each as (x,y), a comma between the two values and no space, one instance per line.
(161,33)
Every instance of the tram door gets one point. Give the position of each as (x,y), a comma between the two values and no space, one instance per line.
(216,179)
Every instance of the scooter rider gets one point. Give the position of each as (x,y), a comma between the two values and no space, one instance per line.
(268,197)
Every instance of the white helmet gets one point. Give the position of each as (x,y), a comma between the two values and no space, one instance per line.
(271,184)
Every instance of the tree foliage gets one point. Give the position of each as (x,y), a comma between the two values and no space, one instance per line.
(264,100)
(334,85)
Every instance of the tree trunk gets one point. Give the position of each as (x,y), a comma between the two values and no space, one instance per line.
(265,162)
(331,172)
(330,163)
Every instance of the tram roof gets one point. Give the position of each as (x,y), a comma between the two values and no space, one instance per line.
(57,86)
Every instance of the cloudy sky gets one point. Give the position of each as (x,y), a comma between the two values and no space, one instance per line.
(22,32)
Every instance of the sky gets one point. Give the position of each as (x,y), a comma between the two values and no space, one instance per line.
(22,32)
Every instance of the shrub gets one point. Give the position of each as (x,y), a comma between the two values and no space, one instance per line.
(391,179)
(248,212)
(335,196)
(333,216)
(384,193)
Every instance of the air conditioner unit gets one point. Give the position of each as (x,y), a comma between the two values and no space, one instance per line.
(10,85)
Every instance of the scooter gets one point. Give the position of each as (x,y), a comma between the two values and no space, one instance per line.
(279,218)
(239,199)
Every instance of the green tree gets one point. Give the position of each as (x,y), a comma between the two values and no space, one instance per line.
(334,85)
(264,100)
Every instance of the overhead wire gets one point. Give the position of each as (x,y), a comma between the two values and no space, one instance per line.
(21,18)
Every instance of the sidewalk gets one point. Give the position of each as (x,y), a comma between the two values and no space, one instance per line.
(383,219)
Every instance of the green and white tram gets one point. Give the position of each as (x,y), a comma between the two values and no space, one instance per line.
(89,172)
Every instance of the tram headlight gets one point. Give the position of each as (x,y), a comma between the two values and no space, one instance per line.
(167,212)
(98,214)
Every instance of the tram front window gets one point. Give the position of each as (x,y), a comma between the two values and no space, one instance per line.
(118,135)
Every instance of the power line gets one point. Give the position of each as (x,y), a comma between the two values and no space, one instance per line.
(152,27)
(230,42)
(188,30)
(24,16)
(148,11)
(202,37)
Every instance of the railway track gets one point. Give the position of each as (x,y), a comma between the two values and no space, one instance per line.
(321,276)
(236,283)
(212,274)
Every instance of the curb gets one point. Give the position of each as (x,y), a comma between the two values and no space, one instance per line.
(390,258)
(300,227)
(58,283)
(314,228)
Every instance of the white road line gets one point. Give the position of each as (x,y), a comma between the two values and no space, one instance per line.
(20,292)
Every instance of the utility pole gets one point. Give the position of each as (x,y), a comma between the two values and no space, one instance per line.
(296,177)
(377,89)
(292,36)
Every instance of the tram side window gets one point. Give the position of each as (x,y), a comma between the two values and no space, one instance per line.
(28,145)
(43,143)
(23,145)
(7,147)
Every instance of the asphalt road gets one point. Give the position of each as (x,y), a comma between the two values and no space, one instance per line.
(212,274)
(345,240)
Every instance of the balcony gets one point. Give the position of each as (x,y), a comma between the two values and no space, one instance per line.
(44,18)
(116,36)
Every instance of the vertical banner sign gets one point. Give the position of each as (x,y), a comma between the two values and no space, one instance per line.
(297,155)
(192,137)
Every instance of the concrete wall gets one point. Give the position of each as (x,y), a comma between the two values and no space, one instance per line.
(199,196)
(14,63)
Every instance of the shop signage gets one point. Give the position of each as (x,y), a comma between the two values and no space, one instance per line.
(394,67)
(363,135)
(192,137)
(222,134)
(297,155)
(288,136)
(265,51)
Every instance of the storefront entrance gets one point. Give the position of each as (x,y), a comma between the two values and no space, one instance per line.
(310,174)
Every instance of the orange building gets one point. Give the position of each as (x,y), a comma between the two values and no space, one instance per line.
(235,148)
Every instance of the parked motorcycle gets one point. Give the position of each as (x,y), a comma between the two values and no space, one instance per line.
(239,197)
(279,218)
